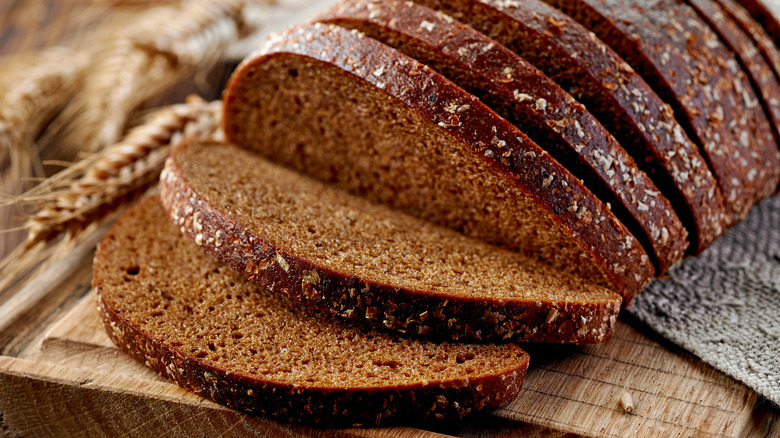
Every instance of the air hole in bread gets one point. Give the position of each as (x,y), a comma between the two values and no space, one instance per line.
(387,363)
(464,357)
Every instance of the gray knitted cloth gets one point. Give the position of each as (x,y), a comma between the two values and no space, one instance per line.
(724,306)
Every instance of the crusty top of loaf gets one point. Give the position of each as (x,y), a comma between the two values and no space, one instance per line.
(334,250)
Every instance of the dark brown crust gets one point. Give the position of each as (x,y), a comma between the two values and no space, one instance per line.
(346,295)
(408,83)
(761,75)
(754,160)
(763,15)
(612,91)
(630,33)
(512,87)
(758,33)
(762,40)
(325,407)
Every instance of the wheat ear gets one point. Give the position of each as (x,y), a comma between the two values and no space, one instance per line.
(148,55)
(33,87)
(85,193)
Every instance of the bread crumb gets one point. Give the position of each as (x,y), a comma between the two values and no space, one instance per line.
(626,402)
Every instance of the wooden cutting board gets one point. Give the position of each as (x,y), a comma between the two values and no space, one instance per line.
(61,376)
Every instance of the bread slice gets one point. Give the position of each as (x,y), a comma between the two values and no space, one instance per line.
(534,103)
(364,261)
(614,93)
(355,113)
(205,327)
(755,162)
(760,73)
(697,96)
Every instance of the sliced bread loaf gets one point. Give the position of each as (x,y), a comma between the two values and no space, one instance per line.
(353,112)
(614,93)
(365,261)
(517,91)
(204,326)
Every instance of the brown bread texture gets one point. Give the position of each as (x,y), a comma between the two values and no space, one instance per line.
(205,327)
(367,262)
(355,113)
(643,124)
(760,73)
(550,116)
(755,159)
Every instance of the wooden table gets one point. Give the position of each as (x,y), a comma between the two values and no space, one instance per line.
(61,376)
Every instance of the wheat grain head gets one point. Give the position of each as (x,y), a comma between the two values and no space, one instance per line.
(150,54)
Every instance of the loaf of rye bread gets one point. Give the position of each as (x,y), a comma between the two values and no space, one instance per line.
(369,263)
(353,112)
(643,124)
(755,161)
(202,325)
(215,331)
(523,95)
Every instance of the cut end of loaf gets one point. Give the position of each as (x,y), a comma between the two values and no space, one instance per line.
(204,326)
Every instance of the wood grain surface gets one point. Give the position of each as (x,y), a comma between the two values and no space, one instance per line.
(61,376)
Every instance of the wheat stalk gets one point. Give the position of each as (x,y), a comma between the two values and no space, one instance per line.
(33,87)
(85,193)
(150,54)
